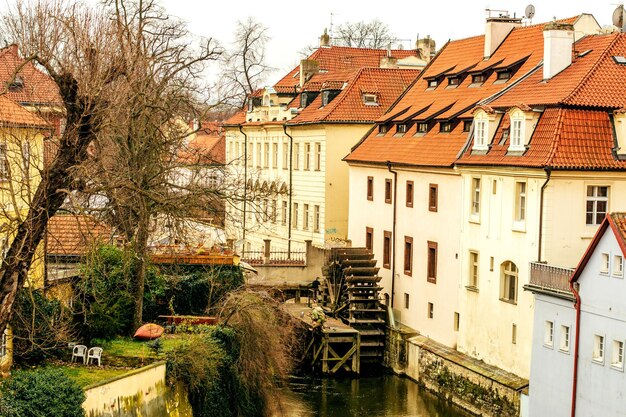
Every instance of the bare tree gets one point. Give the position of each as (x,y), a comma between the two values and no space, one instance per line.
(374,34)
(112,66)
(244,69)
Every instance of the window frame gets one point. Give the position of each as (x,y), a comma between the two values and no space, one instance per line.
(565,338)
(296,156)
(433,203)
(387,242)
(402,128)
(410,190)
(599,348)
(369,238)
(519,217)
(305,216)
(388,190)
(407,301)
(605,263)
(481,129)
(475,196)
(474,269)
(284,212)
(617,269)
(295,215)
(316,218)
(430,310)
(506,275)
(307,156)
(431,261)
(422,127)
(516,135)
(408,256)
(318,156)
(275,155)
(595,200)
(548,334)
(617,363)
(370,189)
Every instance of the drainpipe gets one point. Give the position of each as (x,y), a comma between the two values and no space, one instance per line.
(574,287)
(290,189)
(393,234)
(543,188)
(245,182)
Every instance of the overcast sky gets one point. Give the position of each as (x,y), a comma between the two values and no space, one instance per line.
(296,24)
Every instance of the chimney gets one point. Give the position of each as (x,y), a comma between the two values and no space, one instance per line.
(558,39)
(388,62)
(324,39)
(308,68)
(426,48)
(496,30)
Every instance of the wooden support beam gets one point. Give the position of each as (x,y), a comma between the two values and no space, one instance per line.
(325,346)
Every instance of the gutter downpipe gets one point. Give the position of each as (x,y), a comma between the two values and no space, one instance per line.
(290,190)
(393,234)
(574,287)
(245,182)
(548,171)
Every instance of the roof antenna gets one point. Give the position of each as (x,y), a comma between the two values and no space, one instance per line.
(331,24)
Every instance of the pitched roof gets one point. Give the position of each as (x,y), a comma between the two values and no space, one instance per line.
(349,106)
(72,235)
(617,223)
(12,114)
(38,88)
(523,45)
(338,58)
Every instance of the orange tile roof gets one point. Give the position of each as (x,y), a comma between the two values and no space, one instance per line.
(208,147)
(71,235)
(337,58)
(348,106)
(441,149)
(38,87)
(12,114)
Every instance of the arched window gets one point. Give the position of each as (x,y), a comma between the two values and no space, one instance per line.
(508,282)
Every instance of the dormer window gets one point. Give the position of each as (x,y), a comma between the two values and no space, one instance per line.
(454,81)
(467,125)
(480,135)
(328,96)
(479,78)
(504,75)
(17,84)
(422,127)
(523,122)
(433,83)
(517,141)
(370,99)
(382,129)
(307,98)
(402,127)
(445,127)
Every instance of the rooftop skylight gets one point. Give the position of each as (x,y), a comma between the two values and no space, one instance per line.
(619,60)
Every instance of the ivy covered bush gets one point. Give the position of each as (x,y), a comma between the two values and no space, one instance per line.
(41,393)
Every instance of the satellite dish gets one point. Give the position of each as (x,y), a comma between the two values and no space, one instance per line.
(619,17)
(529,13)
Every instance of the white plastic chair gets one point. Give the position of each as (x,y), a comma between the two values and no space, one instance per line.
(79,351)
(95,353)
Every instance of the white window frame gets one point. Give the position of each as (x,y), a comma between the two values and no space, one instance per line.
(548,334)
(564,340)
(605,263)
(296,156)
(594,199)
(307,156)
(294,222)
(275,155)
(618,266)
(481,133)
(266,155)
(474,269)
(520,205)
(285,213)
(305,217)
(285,154)
(316,218)
(318,156)
(597,354)
(506,276)
(370,99)
(516,139)
(617,355)
(475,198)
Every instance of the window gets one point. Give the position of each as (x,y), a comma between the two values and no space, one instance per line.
(431,311)
(432,83)
(382,129)
(504,75)
(494,187)
(275,154)
(409,193)
(478,78)
(274,211)
(370,99)
(597,203)
(258,155)
(316,218)
(406,301)
(285,155)
(598,348)
(564,344)
(431,275)
(17,84)
(250,150)
(4,164)
(473,269)
(548,334)
(386,249)
(516,135)
(480,134)
(370,188)
(284,214)
(514,333)
(266,153)
(508,282)
(491,262)
(422,127)
(401,128)
(408,255)
(618,266)
(305,218)
(454,81)
(296,156)
(294,221)
(388,190)
(369,238)
(617,356)
(467,126)
(475,209)
(457,319)
(604,263)
(433,196)
(318,156)
(445,127)
(520,201)
(307,156)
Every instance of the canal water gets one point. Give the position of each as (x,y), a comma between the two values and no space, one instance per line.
(372,396)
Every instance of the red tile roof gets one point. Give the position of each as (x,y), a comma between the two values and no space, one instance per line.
(207,147)
(12,114)
(72,235)
(386,83)
(523,44)
(38,87)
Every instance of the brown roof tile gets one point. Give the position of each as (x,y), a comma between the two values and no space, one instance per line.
(72,235)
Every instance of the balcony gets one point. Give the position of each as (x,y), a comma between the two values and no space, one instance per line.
(550,279)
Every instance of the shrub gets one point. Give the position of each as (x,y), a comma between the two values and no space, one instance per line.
(41,393)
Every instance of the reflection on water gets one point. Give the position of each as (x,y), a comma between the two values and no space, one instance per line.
(379,396)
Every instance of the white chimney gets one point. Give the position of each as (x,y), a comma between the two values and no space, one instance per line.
(496,30)
(558,39)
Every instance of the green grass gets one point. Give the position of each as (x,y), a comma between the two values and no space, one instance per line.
(85,376)
(126,347)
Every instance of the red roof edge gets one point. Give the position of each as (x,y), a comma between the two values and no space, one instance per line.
(594,243)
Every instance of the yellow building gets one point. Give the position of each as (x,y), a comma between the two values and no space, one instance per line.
(289,143)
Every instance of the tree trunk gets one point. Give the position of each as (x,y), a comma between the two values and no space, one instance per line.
(140,249)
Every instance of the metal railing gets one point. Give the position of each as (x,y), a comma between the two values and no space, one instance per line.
(275,258)
(550,277)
